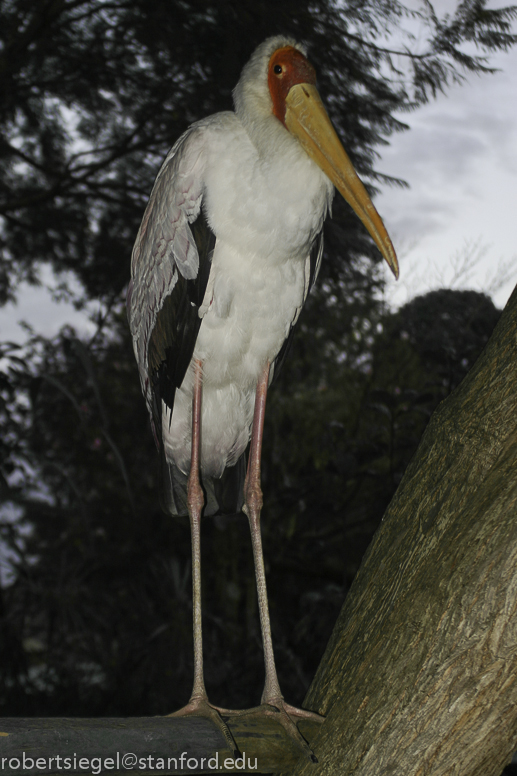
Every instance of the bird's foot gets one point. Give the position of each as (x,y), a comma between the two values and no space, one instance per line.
(199,706)
(288,716)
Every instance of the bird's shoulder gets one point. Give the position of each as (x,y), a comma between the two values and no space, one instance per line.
(171,262)
(195,147)
(177,193)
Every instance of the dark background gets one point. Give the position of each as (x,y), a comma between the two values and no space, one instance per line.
(95,601)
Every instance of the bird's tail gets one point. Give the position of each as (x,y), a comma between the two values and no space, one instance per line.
(223,496)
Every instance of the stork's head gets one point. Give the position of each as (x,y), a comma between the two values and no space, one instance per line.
(279,83)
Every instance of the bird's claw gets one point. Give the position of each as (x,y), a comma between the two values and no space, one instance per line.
(288,716)
(201,707)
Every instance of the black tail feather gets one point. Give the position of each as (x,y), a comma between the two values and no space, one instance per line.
(223,496)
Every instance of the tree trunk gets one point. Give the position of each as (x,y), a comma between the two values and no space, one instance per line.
(420,674)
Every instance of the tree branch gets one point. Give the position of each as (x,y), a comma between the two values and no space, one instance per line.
(149,739)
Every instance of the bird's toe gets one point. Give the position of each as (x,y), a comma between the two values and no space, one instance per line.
(201,707)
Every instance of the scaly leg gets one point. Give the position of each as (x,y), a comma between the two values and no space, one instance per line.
(198,705)
(272,700)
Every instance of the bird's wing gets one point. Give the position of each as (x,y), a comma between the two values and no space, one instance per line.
(170,266)
(312,268)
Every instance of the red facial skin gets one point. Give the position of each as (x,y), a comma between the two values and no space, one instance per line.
(295,70)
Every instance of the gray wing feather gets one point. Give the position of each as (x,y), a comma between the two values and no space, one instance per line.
(165,245)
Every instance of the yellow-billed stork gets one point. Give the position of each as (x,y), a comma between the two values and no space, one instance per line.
(228,249)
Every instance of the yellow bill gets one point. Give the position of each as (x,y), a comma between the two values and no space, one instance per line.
(307,119)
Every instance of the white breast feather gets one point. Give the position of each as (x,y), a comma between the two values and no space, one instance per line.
(265,213)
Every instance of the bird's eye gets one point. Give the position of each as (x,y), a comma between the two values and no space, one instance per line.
(278,69)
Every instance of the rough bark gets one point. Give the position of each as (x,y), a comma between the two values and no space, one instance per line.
(420,674)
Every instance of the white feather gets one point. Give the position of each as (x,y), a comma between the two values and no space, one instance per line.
(266,201)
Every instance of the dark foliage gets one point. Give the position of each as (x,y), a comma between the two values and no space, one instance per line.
(95,607)
(97,618)
(94,92)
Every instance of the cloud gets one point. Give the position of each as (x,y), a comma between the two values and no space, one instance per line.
(460,159)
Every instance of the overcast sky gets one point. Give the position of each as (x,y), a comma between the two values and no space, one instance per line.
(460,159)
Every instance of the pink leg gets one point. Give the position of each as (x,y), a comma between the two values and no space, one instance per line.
(195,504)
(272,699)
(253,507)
(199,705)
